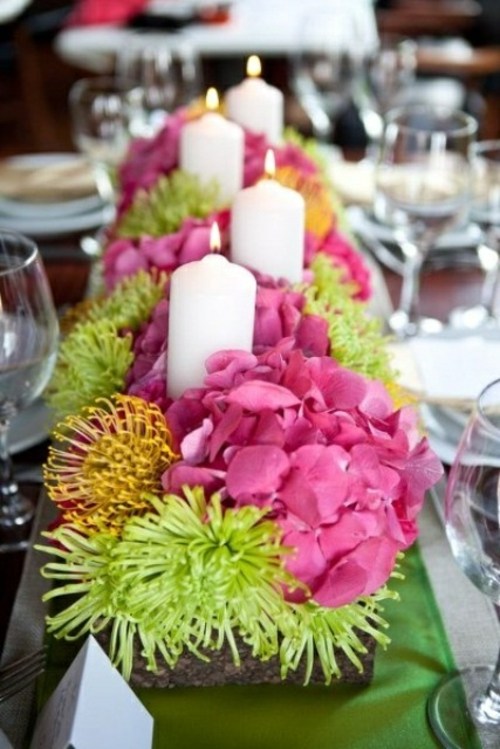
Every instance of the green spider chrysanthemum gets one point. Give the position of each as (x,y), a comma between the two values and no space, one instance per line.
(163,208)
(92,362)
(191,575)
(356,339)
(131,301)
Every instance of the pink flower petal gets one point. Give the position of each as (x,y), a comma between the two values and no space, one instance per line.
(257,395)
(256,470)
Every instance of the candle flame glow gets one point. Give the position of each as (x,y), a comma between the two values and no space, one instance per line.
(212,99)
(215,241)
(270,163)
(254,68)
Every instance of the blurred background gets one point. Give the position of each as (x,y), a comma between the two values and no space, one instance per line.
(456,58)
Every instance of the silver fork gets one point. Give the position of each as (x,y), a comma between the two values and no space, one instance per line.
(17,675)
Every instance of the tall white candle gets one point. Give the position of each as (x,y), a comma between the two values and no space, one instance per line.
(212,308)
(267,230)
(211,147)
(256,105)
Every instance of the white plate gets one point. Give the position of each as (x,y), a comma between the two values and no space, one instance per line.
(453,248)
(29,427)
(56,226)
(32,211)
(47,209)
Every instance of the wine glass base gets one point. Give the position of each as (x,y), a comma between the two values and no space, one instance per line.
(401,325)
(16,519)
(472,318)
(450,710)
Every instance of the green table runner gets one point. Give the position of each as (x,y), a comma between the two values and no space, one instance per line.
(390,713)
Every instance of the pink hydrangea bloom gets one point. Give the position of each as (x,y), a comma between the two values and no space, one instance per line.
(256,146)
(278,314)
(150,158)
(125,257)
(343,255)
(343,474)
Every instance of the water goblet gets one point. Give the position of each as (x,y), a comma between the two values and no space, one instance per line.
(422,189)
(389,75)
(485,211)
(103,111)
(472,516)
(333,41)
(166,75)
(28,345)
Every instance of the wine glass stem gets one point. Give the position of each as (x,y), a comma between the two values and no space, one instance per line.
(410,291)
(490,288)
(8,485)
(487,707)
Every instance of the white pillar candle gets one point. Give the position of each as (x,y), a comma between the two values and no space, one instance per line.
(267,230)
(256,105)
(212,308)
(211,147)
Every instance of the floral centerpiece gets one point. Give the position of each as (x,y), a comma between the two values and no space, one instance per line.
(261,515)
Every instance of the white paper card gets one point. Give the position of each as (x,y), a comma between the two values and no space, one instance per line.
(93,707)
(456,367)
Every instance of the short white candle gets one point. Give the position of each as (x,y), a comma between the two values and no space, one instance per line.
(256,105)
(268,228)
(212,308)
(211,147)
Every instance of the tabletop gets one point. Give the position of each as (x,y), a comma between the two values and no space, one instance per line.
(443,288)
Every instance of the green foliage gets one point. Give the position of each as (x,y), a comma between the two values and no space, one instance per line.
(163,208)
(92,362)
(131,301)
(191,575)
(356,339)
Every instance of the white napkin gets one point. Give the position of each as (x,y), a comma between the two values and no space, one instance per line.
(354,181)
(455,367)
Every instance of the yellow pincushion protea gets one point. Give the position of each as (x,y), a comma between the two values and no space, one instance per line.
(111,456)
(319,214)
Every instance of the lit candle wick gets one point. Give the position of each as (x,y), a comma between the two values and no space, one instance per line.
(215,240)
(270,164)
(212,99)
(254,67)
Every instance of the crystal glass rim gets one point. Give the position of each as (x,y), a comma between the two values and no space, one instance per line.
(469,124)
(481,405)
(28,245)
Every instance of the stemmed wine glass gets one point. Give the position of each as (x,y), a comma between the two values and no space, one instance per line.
(472,516)
(389,75)
(422,189)
(28,345)
(103,112)
(333,41)
(167,76)
(485,211)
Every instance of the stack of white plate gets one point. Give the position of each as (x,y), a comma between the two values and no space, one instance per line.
(49,195)
(447,371)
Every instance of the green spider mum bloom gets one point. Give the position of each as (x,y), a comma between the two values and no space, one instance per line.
(356,339)
(163,208)
(92,362)
(131,302)
(192,575)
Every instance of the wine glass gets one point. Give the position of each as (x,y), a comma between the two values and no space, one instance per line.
(485,211)
(28,345)
(472,516)
(422,189)
(333,41)
(103,112)
(167,77)
(389,75)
